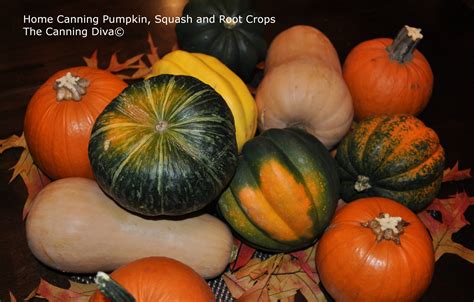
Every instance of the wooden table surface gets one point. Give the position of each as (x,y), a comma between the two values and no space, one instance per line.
(448,28)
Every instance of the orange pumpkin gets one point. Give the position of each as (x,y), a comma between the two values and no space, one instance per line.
(388,76)
(60,116)
(153,279)
(375,249)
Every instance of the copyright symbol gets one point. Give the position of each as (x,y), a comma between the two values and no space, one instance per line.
(119,31)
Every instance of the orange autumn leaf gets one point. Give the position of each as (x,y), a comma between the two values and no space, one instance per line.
(141,72)
(131,63)
(455,174)
(92,61)
(115,66)
(136,63)
(279,277)
(153,55)
(452,214)
(77,292)
(33,178)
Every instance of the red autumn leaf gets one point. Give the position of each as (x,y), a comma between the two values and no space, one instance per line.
(77,292)
(455,174)
(452,210)
(33,178)
(244,254)
(305,260)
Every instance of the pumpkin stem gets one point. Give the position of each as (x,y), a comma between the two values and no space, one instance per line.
(111,289)
(70,87)
(404,44)
(362,183)
(386,227)
(229,25)
(161,126)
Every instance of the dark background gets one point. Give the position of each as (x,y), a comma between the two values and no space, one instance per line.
(448,44)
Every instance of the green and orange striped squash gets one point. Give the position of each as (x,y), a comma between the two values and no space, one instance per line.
(395,157)
(164,146)
(284,191)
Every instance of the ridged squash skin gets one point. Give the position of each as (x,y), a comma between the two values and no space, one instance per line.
(395,157)
(284,191)
(165,146)
(239,45)
(214,73)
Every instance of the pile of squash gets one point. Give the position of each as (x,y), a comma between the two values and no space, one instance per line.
(137,167)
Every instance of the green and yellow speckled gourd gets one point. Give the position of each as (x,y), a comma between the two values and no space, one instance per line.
(284,191)
(165,146)
(396,157)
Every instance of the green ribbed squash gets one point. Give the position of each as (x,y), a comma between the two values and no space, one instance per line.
(164,146)
(284,192)
(239,45)
(395,157)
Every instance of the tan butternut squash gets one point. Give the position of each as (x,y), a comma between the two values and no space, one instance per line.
(303,87)
(74,227)
(302,41)
(303,95)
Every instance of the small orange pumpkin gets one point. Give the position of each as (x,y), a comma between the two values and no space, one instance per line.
(60,116)
(375,249)
(153,279)
(388,76)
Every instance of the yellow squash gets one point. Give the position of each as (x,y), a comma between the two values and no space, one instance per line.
(214,73)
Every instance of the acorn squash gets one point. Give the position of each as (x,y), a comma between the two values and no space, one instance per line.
(164,146)
(232,36)
(395,157)
(284,191)
(214,73)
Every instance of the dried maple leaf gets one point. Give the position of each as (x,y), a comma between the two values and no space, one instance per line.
(279,277)
(136,62)
(232,285)
(92,61)
(305,259)
(452,211)
(244,254)
(77,292)
(455,174)
(34,179)
(153,55)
